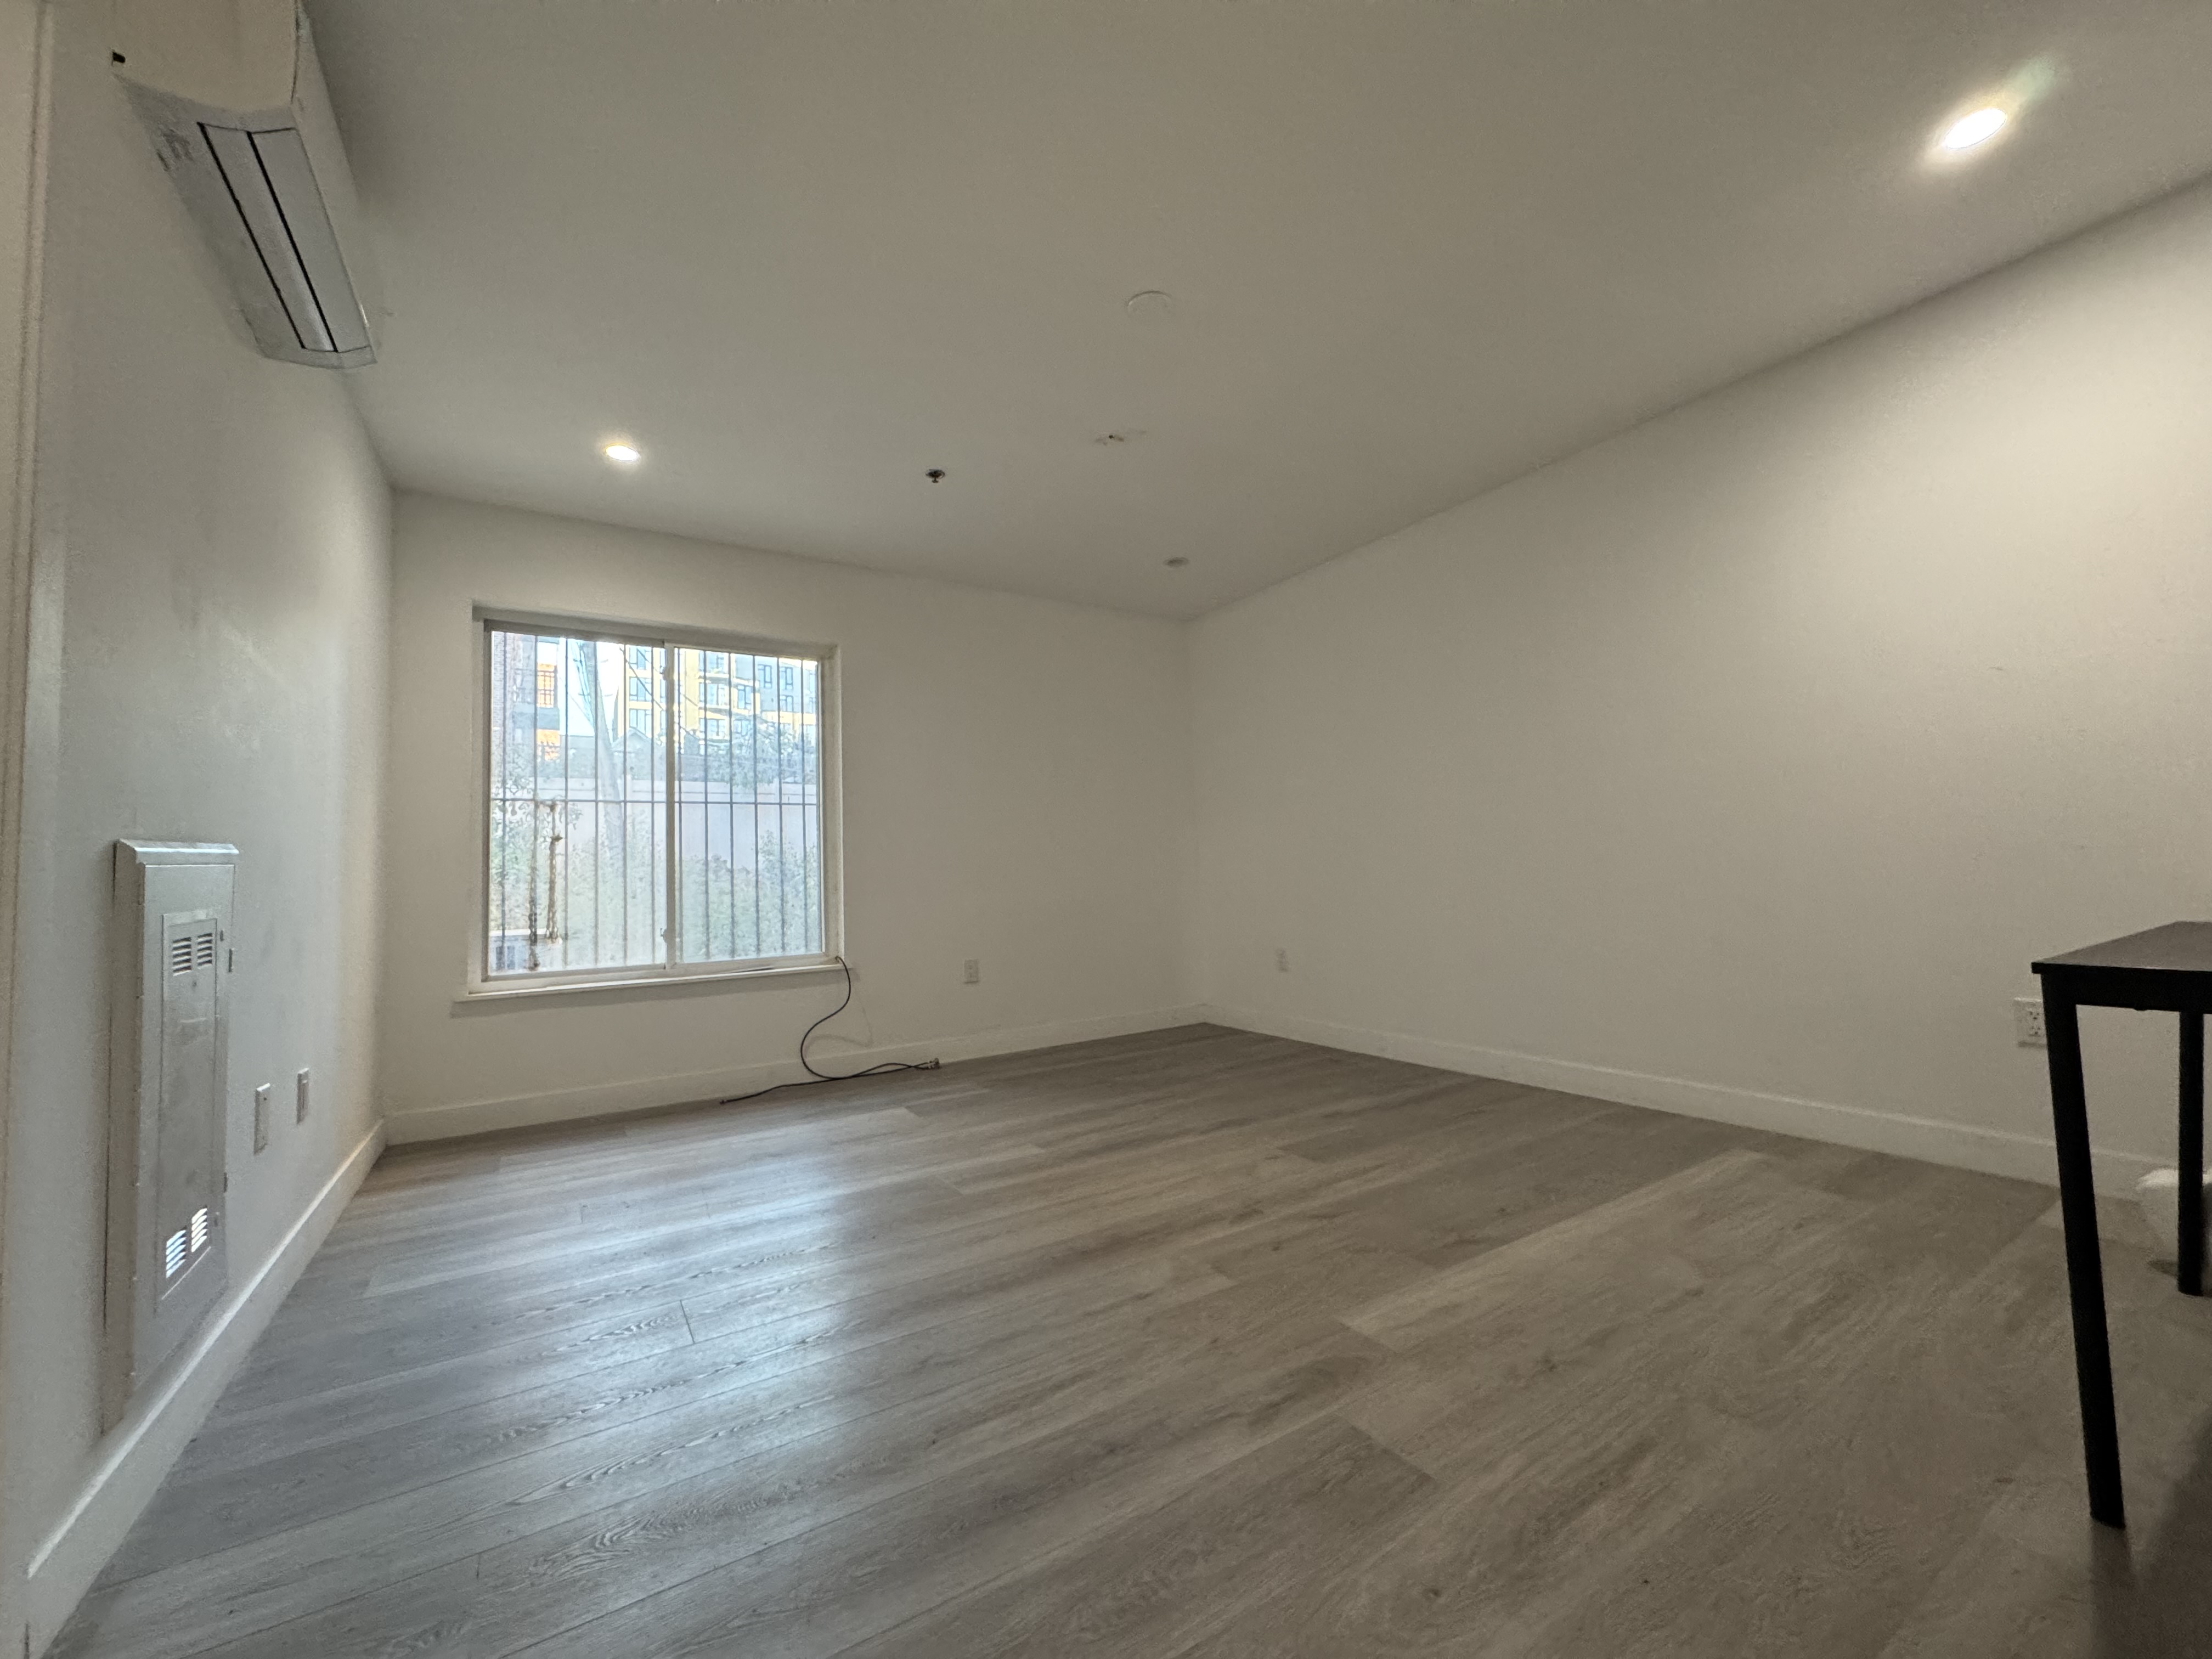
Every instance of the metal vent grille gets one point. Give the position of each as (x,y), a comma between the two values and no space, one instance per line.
(188,952)
(187,1242)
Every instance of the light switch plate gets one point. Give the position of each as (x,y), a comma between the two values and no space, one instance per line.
(261,1118)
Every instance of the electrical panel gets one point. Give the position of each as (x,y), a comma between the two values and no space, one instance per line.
(169,1084)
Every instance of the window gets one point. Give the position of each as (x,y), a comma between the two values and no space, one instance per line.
(638,827)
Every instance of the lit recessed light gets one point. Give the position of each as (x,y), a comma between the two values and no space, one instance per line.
(1974,129)
(623,454)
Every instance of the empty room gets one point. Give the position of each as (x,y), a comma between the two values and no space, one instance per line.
(1155,828)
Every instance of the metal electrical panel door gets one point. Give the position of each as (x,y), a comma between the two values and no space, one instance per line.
(166,1259)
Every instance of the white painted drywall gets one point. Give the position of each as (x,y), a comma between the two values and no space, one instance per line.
(208,663)
(22,221)
(1742,763)
(1016,789)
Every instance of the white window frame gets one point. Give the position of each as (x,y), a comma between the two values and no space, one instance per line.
(478,983)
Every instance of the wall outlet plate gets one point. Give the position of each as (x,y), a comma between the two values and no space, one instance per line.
(2028,1023)
(971,971)
(261,1118)
(299,1100)
(1282,961)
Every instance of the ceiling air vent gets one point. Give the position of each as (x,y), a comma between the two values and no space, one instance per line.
(233,97)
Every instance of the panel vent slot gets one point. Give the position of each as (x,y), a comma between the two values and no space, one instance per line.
(190,951)
(186,1242)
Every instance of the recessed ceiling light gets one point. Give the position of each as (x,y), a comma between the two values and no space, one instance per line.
(1177,562)
(1974,129)
(623,454)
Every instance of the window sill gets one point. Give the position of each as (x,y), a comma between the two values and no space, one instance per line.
(497,991)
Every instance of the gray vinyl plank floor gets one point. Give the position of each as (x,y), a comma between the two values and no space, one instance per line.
(1185,1346)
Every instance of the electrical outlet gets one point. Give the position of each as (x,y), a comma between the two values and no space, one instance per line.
(971,971)
(261,1118)
(2028,1023)
(1282,961)
(299,1100)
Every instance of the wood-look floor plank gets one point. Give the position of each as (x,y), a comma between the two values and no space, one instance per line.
(835,1546)
(860,1413)
(240,1499)
(1205,1559)
(1194,1345)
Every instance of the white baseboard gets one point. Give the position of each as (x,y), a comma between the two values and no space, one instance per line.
(141,1450)
(682,1088)
(1992,1151)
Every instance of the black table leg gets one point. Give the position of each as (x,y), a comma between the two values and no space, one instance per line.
(2189,1259)
(2085,1267)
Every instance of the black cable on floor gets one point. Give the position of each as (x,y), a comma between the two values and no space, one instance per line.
(814,1076)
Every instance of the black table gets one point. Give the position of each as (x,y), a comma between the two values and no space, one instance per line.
(2168,968)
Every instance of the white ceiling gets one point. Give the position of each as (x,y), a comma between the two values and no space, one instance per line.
(802,251)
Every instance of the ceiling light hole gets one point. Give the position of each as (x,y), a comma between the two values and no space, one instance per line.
(621,453)
(935,475)
(1177,562)
(1151,306)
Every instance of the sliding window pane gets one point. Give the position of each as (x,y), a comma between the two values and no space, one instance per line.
(749,806)
(579,853)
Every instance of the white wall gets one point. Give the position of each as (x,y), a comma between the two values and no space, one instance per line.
(208,659)
(22,178)
(1016,789)
(1742,763)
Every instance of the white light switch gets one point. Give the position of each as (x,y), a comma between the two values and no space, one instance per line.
(299,1100)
